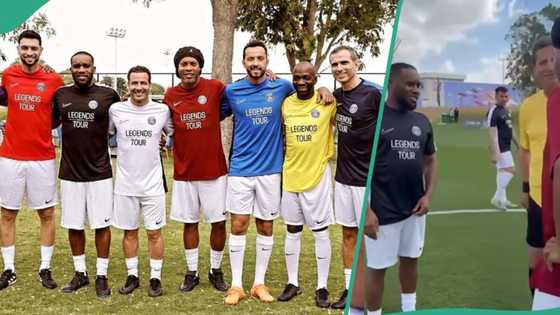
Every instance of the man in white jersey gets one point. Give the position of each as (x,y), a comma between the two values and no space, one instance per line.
(139,186)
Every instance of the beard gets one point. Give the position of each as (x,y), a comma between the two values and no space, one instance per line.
(260,72)
(77,82)
(405,105)
(24,62)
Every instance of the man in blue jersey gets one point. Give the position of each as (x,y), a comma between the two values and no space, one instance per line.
(255,165)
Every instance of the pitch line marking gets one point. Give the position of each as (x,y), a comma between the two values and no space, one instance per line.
(461,211)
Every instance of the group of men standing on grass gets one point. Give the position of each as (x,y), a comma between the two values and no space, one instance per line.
(278,165)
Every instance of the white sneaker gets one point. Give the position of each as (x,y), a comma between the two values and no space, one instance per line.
(498,204)
(510,205)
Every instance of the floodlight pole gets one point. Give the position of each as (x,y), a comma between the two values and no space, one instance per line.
(116,33)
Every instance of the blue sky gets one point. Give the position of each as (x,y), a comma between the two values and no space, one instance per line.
(460,36)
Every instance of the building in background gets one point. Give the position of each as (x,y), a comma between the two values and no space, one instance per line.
(451,90)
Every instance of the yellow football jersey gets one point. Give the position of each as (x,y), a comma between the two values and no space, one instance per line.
(532,137)
(308,128)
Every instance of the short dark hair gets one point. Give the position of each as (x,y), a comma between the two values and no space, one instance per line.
(555,33)
(501,89)
(139,69)
(255,43)
(542,42)
(30,34)
(82,52)
(353,53)
(397,67)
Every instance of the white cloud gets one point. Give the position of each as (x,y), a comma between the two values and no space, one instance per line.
(447,67)
(427,27)
(170,24)
(514,11)
(490,70)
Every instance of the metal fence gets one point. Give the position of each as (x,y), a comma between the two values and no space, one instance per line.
(169,79)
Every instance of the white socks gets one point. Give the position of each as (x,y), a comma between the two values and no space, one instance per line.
(408,302)
(323,257)
(292,249)
(102,264)
(216,258)
(79,263)
(8,255)
(191,256)
(132,266)
(378,312)
(46,256)
(264,251)
(236,255)
(502,181)
(347,277)
(155,268)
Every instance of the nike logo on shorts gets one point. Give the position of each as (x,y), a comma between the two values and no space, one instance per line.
(107,220)
(48,201)
(274,213)
(123,121)
(159,222)
(177,103)
(66,105)
(386,131)
(321,222)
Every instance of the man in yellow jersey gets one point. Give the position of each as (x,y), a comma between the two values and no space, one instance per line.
(307,189)
(532,139)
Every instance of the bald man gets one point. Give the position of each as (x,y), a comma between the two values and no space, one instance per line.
(307,189)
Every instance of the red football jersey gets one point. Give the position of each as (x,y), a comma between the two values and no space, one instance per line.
(197,152)
(27,134)
(544,280)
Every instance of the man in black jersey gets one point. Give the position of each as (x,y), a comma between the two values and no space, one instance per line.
(500,132)
(85,169)
(357,103)
(403,181)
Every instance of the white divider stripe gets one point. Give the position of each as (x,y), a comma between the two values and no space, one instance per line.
(460,211)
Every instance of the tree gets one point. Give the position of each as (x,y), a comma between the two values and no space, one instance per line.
(309,29)
(223,22)
(39,23)
(121,83)
(523,34)
(157,89)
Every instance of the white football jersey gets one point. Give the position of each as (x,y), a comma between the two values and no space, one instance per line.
(139,130)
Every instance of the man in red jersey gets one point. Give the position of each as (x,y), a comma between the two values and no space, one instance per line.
(547,272)
(27,157)
(199,163)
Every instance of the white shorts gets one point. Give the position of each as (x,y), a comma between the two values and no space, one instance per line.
(545,301)
(257,195)
(93,200)
(126,212)
(505,160)
(191,197)
(348,204)
(400,239)
(34,179)
(313,207)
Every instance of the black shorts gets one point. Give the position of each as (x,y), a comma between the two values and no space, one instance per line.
(534,225)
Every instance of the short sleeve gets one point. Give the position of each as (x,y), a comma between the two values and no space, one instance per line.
(430,147)
(112,129)
(523,136)
(225,106)
(553,131)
